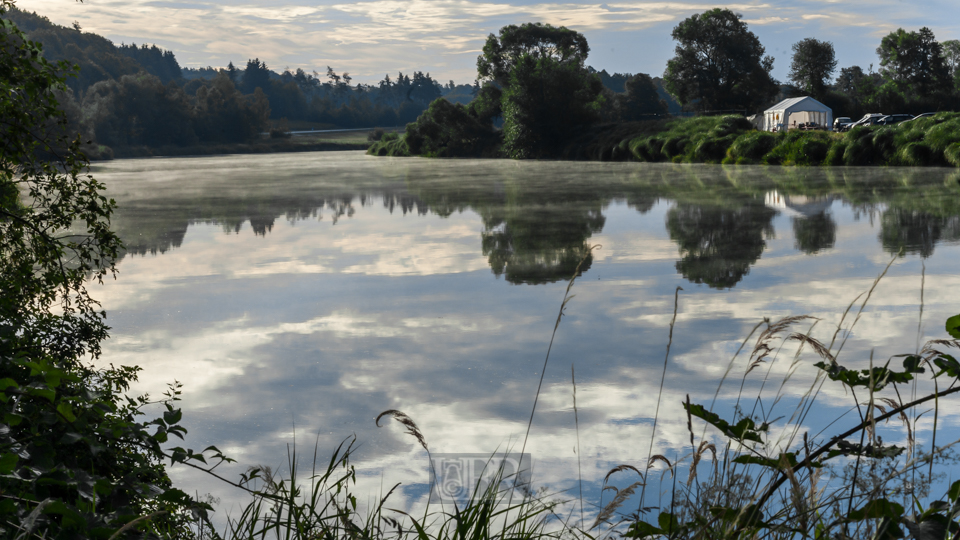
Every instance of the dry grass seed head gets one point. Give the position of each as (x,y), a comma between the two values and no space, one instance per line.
(617,501)
(697,455)
(906,422)
(928,346)
(658,457)
(772,331)
(881,408)
(619,468)
(891,402)
(411,426)
(818,347)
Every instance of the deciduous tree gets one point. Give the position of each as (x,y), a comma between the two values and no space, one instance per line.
(535,40)
(813,64)
(548,94)
(914,62)
(719,64)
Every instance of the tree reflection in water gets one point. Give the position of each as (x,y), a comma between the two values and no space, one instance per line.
(718,244)
(540,243)
(915,232)
(815,233)
(537,219)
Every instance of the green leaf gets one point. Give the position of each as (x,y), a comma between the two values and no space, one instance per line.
(8,462)
(790,458)
(172,417)
(745,430)
(7,383)
(954,493)
(948,365)
(847,448)
(642,529)
(877,509)
(668,523)
(174,495)
(64,409)
(953,326)
(45,393)
(70,438)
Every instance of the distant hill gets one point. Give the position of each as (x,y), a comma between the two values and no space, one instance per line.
(98,57)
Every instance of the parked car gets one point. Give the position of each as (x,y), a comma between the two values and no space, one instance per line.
(892,119)
(840,123)
(868,119)
(924,115)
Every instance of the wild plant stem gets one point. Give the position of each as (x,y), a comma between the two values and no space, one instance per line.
(566,298)
(782,475)
(576,421)
(663,378)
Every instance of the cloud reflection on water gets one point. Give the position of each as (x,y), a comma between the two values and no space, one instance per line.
(321,324)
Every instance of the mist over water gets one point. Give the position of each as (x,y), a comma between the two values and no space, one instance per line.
(303,294)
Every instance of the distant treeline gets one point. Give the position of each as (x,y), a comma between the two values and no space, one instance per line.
(552,105)
(130,95)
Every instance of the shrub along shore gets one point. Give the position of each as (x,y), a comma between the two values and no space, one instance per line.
(929,141)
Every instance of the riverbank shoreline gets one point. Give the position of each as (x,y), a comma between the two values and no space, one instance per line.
(926,142)
(326,141)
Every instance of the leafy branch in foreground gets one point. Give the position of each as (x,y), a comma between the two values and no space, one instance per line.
(785,500)
(76,461)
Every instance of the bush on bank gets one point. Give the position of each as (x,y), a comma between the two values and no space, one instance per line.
(447,130)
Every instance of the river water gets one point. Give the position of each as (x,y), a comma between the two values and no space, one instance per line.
(298,296)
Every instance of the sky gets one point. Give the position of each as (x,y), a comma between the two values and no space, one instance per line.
(370,38)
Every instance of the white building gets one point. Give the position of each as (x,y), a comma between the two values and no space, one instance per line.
(791,113)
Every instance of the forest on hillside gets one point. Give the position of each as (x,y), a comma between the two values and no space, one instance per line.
(129,95)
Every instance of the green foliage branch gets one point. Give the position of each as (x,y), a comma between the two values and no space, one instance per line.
(884,517)
(76,461)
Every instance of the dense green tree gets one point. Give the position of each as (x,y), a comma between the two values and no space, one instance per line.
(139,110)
(640,99)
(448,129)
(545,104)
(719,64)
(531,40)
(951,55)
(156,61)
(256,75)
(914,62)
(813,64)
(487,104)
(548,94)
(222,114)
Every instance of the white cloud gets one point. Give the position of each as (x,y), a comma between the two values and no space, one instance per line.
(370,38)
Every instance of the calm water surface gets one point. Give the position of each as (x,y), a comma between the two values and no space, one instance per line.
(300,295)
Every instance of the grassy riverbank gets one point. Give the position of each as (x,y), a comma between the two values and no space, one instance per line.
(930,141)
(319,142)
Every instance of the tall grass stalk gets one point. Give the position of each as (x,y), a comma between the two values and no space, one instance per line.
(576,422)
(663,378)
